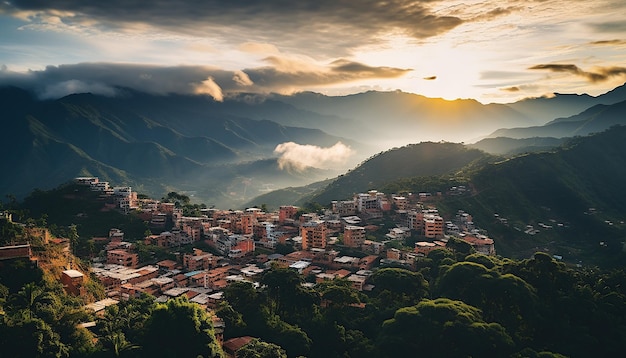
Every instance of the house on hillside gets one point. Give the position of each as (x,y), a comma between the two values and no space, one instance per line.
(73,282)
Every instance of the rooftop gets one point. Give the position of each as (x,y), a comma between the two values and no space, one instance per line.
(73,273)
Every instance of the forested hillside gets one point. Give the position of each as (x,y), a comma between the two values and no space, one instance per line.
(455,304)
(415,160)
(153,143)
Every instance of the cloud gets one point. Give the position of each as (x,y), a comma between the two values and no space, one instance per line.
(495,13)
(321,24)
(430,78)
(106,78)
(242,79)
(253,47)
(299,157)
(598,75)
(510,89)
(609,26)
(211,88)
(283,75)
(287,75)
(609,42)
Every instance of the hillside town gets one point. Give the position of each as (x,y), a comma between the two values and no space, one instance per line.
(235,235)
(242,244)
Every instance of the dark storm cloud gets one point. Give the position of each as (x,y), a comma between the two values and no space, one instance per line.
(600,74)
(107,78)
(341,22)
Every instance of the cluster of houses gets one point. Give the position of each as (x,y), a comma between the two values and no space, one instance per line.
(235,234)
(123,197)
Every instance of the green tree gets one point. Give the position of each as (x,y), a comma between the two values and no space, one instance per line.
(128,317)
(31,298)
(256,348)
(286,296)
(506,298)
(72,235)
(459,247)
(117,344)
(180,328)
(443,328)
(242,296)
(401,281)
(340,296)
(233,320)
(31,338)
(4,293)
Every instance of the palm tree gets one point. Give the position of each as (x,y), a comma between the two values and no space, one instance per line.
(117,343)
(31,296)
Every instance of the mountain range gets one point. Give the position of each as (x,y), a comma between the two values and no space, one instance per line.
(593,119)
(223,153)
(572,196)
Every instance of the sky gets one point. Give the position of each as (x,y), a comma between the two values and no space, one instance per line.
(492,51)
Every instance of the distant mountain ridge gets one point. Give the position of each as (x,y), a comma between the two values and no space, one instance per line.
(457,120)
(594,119)
(153,143)
(221,150)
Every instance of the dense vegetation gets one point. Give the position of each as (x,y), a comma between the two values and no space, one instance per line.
(40,320)
(71,205)
(455,305)
(577,190)
(512,146)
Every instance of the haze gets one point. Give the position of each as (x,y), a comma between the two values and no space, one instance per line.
(491,51)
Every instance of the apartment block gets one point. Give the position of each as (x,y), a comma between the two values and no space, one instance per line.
(286,212)
(433,226)
(122,258)
(353,236)
(313,235)
(344,208)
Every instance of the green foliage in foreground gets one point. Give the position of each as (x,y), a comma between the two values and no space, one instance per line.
(453,305)
(474,305)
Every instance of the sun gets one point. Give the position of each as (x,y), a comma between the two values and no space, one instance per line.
(439,69)
(447,72)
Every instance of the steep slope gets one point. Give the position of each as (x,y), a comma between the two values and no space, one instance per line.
(577,191)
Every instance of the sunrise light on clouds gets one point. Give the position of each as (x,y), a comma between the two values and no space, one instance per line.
(492,51)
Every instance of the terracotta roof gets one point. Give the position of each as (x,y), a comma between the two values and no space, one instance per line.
(233,344)
(191,294)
